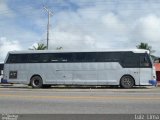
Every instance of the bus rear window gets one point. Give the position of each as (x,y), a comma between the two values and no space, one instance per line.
(11,59)
(17,58)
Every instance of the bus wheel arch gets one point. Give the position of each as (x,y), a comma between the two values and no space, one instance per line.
(127,81)
(36,81)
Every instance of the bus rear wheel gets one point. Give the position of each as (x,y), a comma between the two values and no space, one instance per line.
(36,82)
(127,82)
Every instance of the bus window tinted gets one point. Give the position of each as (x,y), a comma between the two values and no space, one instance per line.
(61,57)
(17,58)
(145,61)
(108,57)
(130,60)
(84,57)
(11,58)
(33,58)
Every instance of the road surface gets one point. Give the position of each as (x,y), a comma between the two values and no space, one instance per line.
(25,100)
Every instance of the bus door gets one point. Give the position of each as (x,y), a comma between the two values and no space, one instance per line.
(145,69)
(131,66)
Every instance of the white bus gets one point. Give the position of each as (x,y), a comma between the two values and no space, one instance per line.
(45,68)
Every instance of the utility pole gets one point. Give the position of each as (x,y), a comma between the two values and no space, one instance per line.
(48,24)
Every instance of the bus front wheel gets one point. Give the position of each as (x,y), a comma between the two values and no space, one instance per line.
(36,82)
(127,82)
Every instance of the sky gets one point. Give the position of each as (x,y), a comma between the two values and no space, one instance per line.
(79,24)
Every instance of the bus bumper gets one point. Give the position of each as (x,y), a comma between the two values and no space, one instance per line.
(153,82)
(4,81)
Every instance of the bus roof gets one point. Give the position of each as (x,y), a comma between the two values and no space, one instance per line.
(68,51)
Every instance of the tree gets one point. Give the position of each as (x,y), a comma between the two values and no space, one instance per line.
(59,48)
(146,47)
(40,46)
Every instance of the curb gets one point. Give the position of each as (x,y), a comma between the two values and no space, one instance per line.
(6,84)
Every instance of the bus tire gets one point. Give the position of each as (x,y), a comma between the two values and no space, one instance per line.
(127,82)
(36,82)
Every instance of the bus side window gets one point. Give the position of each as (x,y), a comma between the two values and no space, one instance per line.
(130,60)
(58,57)
(79,57)
(11,58)
(34,58)
(44,58)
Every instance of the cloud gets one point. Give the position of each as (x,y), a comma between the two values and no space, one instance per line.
(68,40)
(114,24)
(3,6)
(8,45)
(147,29)
(87,24)
(106,28)
(89,32)
(70,34)
(5,10)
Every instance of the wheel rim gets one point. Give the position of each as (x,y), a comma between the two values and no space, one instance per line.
(36,82)
(127,82)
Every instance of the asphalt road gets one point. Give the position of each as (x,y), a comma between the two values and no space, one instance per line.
(24,100)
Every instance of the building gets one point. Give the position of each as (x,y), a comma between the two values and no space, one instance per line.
(157,66)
